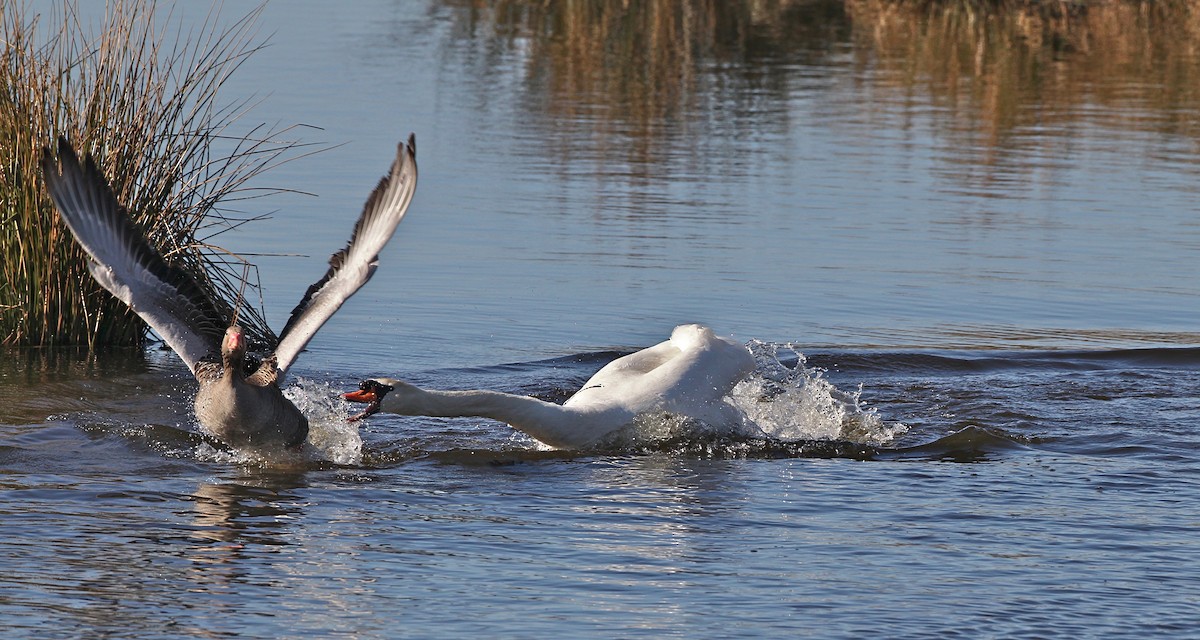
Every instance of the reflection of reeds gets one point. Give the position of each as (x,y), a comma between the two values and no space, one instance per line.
(634,70)
(648,69)
(144,106)
(999,66)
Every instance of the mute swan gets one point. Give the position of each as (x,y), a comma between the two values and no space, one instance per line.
(688,375)
(238,404)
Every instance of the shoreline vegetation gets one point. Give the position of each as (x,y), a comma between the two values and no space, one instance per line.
(140,94)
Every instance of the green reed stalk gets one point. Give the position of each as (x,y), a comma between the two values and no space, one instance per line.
(142,98)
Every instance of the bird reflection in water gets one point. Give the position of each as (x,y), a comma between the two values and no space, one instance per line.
(233,521)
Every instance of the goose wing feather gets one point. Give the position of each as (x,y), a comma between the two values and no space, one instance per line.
(351,267)
(123,262)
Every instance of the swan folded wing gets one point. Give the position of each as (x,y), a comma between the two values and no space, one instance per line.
(353,266)
(123,262)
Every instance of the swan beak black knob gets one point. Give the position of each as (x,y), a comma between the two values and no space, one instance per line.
(371,392)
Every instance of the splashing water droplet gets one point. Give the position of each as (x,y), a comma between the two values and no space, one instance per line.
(775,404)
(330,436)
(793,403)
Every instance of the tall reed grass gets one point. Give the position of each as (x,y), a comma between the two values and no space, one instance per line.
(139,92)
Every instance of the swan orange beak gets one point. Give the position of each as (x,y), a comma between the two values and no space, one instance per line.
(370,392)
(361,395)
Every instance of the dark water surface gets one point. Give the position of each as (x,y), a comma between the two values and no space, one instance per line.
(965,260)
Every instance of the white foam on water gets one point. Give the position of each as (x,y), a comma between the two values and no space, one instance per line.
(794,403)
(775,403)
(331,437)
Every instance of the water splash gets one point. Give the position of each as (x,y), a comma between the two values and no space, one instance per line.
(210,452)
(330,436)
(782,409)
(797,403)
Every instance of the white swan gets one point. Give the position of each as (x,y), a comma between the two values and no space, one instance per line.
(238,403)
(688,375)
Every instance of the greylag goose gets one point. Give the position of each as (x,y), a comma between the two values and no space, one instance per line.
(688,375)
(238,403)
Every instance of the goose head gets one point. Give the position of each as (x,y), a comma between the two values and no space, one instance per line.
(233,348)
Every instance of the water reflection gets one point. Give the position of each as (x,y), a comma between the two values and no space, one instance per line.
(38,382)
(231,524)
(237,515)
(834,163)
(631,68)
(661,90)
(1030,79)
(40,365)
(646,83)
(640,73)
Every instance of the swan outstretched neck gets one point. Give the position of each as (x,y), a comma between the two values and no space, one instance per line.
(688,375)
(558,426)
(238,404)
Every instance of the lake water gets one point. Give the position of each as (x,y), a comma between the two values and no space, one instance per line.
(965,259)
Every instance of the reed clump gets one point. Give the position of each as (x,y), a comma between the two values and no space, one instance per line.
(141,96)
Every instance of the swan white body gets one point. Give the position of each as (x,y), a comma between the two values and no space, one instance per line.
(688,375)
(237,406)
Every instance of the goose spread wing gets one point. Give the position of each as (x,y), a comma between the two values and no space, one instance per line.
(354,265)
(125,264)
